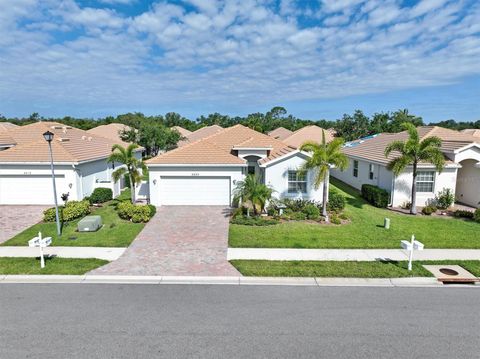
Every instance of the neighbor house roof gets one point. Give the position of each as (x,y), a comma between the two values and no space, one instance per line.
(199,134)
(219,148)
(111,131)
(280,133)
(307,133)
(5,126)
(373,147)
(182,131)
(472,131)
(70,144)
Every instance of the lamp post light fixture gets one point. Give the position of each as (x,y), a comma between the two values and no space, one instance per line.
(49,138)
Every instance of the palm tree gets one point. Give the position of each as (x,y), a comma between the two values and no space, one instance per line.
(253,191)
(132,164)
(323,157)
(412,152)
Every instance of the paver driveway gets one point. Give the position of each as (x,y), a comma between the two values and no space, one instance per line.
(15,219)
(179,240)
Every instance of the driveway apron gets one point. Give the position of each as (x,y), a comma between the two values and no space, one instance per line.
(15,219)
(178,241)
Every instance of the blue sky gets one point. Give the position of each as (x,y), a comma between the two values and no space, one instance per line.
(318,58)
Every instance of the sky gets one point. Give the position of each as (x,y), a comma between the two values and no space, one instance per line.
(318,58)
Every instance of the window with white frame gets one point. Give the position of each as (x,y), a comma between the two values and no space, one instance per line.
(355,168)
(425,181)
(371,171)
(297,182)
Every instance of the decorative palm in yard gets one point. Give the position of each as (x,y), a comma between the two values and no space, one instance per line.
(126,156)
(324,156)
(412,152)
(253,191)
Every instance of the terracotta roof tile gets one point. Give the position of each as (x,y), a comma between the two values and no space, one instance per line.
(111,131)
(182,131)
(219,148)
(472,131)
(280,133)
(307,133)
(5,126)
(199,134)
(70,144)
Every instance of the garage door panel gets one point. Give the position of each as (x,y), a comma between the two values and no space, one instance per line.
(31,189)
(195,191)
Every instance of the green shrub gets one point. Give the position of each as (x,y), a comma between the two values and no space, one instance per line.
(343,216)
(463,214)
(135,213)
(476,215)
(297,205)
(101,195)
(375,195)
(336,202)
(335,219)
(311,211)
(50,216)
(153,210)
(298,216)
(253,221)
(75,209)
(428,210)
(445,198)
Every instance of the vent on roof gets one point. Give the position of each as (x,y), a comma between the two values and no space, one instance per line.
(64,128)
(63,139)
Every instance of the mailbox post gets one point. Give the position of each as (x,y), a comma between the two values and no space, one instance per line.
(41,243)
(411,246)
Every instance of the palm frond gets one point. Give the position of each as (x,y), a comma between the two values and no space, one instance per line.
(398,146)
(118,174)
(398,164)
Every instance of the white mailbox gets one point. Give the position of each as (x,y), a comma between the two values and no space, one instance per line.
(41,243)
(411,246)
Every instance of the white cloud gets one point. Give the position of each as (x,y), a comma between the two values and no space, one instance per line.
(235,50)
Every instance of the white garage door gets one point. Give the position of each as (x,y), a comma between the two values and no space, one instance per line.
(195,191)
(31,189)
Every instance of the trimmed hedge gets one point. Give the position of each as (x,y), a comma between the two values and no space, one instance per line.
(135,213)
(49,215)
(463,214)
(101,195)
(375,195)
(75,209)
(311,211)
(429,210)
(336,202)
(253,221)
(476,215)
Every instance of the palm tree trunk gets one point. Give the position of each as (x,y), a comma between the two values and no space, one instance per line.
(132,189)
(413,207)
(325,196)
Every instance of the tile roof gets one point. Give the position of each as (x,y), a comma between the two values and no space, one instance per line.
(70,144)
(307,133)
(373,148)
(199,134)
(111,131)
(182,131)
(280,133)
(5,126)
(472,131)
(219,148)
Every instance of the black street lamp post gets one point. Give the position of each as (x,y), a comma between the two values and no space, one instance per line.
(49,138)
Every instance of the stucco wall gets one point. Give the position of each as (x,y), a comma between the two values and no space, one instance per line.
(94,171)
(403,186)
(235,174)
(468,183)
(276,175)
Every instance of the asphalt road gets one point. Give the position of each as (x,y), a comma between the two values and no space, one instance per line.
(177,321)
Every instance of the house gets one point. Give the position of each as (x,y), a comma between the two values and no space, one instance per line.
(80,160)
(308,133)
(199,134)
(461,173)
(182,131)
(206,171)
(280,133)
(472,131)
(111,131)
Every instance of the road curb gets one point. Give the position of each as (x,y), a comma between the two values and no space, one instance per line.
(263,281)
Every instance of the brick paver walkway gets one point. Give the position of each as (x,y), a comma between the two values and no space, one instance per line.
(179,240)
(15,219)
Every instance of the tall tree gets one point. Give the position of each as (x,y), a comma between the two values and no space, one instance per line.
(253,191)
(403,116)
(413,151)
(324,156)
(132,165)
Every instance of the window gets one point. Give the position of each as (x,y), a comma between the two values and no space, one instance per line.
(371,171)
(355,168)
(251,169)
(425,181)
(297,182)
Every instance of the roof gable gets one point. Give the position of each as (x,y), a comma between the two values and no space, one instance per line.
(307,133)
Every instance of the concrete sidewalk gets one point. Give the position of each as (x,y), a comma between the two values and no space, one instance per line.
(106,253)
(287,254)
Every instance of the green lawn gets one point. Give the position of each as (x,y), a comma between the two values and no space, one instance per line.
(115,232)
(365,230)
(53,265)
(345,269)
